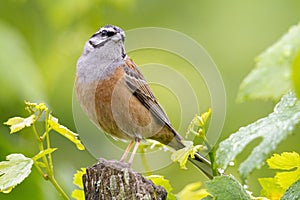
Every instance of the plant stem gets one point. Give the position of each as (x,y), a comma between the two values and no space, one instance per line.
(58,188)
(48,141)
(212,156)
(41,146)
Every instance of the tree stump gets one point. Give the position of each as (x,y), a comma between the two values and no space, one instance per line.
(115,180)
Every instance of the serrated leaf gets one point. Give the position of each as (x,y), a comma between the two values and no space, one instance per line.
(43,153)
(198,124)
(77,178)
(18,123)
(296,74)
(272,129)
(73,137)
(192,192)
(14,171)
(272,76)
(183,154)
(165,183)
(227,188)
(286,161)
(270,188)
(293,193)
(36,107)
(78,194)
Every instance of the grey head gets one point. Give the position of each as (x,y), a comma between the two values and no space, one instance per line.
(107,42)
(103,51)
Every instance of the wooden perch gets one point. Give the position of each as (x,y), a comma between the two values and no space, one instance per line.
(115,180)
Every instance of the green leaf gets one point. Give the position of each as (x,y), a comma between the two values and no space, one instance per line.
(36,107)
(296,74)
(183,154)
(192,192)
(43,153)
(293,193)
(78,194)
(53,123)
(197,125)
(270,188)
(18,123)
(272,129)
(77,178)
(14,171)
(227,188)
(165,183)
(272,76)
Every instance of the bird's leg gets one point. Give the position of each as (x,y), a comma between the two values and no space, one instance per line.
(137,143)
(127,151)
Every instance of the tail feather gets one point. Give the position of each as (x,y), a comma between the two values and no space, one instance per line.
(199,161)
(203,164)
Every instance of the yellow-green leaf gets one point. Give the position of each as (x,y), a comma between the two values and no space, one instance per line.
(14,171)
(272,129)
(165,183)
(35,107)
(198,124)
(272,76)
(43,153)
(270,188)
(293,192)
(77,178)
(18,123)
(78,194)
(192,192)
(286,161)
(73,137)
(183,154)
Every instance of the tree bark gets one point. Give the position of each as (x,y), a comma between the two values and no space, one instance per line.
(116,180)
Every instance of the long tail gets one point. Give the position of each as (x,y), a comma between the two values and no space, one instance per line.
(199,161)
(203,164)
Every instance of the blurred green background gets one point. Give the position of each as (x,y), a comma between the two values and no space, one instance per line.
(42,40)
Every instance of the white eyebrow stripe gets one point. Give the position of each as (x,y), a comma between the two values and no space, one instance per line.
(110,29)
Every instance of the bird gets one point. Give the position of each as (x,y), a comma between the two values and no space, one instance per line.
(116,97)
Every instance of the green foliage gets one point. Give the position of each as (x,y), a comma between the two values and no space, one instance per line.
(183,154)
(192,192)
(197,125)
(18,123)
(161,181)
(270,188)
(14,171)
(227,188)
(273,129)
(293,193)
(196,128)
(289,164)
(272,76)
(78,194)
(296,74)
(18,167)
(70,135)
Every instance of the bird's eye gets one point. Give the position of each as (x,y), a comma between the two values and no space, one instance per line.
(106,33)
(103,33)
(110,33)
